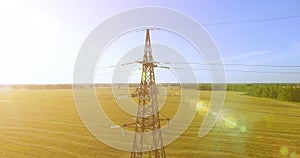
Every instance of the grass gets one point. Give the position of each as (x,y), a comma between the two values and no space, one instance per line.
(45,123)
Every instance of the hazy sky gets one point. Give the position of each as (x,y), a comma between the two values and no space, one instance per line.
(40,39)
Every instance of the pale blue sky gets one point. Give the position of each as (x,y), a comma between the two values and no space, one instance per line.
(40,39)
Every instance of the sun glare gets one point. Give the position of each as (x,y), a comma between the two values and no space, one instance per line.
(25,32)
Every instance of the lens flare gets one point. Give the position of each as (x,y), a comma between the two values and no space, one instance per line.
(284,147)
(202,107)
(230,122)
(284,151)
(243,129)
(294,155)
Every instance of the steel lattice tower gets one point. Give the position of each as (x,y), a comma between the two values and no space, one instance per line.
(147,120)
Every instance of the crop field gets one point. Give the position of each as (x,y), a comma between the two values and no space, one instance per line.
(45,123)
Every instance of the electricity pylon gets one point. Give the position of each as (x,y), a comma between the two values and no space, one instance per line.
(148,140)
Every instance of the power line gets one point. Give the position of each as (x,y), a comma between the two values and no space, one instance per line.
(255,20)
(231,64)
(225,70)
(234,22)
(265,112)
(247,21)
(224,23)
(198,69)
(255,111)
(235,70)
(198,63)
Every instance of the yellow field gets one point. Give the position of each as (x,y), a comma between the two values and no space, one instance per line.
(45,123)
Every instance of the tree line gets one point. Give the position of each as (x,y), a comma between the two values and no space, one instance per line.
(285,92)
(281,91)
